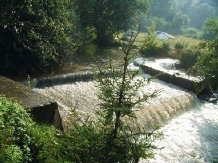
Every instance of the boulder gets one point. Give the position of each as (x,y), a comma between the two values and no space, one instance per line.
(42,108)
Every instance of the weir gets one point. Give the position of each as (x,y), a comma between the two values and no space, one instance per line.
(189,125)
(170,102)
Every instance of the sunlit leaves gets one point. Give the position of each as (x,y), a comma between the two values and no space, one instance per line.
(207,62)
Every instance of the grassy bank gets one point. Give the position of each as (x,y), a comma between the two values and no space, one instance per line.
(185,49)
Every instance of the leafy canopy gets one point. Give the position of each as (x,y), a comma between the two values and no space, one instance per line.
(207,63)
(106,17)
(34,35)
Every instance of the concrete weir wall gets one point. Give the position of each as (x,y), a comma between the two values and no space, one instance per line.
(43,109)
(169,78)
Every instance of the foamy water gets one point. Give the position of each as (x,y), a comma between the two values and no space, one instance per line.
(170,102)
(166,65)
(190,138)
(190,128)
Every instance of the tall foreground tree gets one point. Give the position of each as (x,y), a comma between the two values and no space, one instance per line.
(114,134)
(105,17)
(34,35)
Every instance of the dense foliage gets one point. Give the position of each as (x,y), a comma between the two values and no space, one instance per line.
(185,17)
(168,17)
(15,138)
(34,35)
(112,136)
(37,35)
(207,63)
(106,17)
(21,140)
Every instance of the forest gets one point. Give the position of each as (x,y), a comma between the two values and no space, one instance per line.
(39,35)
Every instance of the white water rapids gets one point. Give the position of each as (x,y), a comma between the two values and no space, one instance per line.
(190,127)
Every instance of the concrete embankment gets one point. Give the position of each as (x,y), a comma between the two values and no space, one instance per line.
(42,108)
(175,79)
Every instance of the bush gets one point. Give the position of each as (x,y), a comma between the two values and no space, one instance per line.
(21,140)
(207,62)
(46,144)
(188,57)
(191,32)
(179,47)
(153,47)
(15,139)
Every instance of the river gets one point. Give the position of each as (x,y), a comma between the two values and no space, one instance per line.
(190,126)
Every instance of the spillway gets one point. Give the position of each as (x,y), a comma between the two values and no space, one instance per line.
(190,127)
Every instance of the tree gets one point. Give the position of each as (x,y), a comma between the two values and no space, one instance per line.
(110,137)
(118,94)
(199,13)
(35,35)
(160,8)
(179,21)
(106,17)
(206,64)
(168,16)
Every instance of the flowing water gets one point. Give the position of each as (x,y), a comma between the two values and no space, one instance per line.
(191,137)
(166,65)
(190,126)
(170,102)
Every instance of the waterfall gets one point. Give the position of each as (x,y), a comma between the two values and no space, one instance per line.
(189,127)
(168,65)
(170,102)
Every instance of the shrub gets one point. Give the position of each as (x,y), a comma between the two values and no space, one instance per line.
(166,48)
(188,57)
(153,47)
(46,144)
(179,46)
(207,62)
(21,140)
(15,138)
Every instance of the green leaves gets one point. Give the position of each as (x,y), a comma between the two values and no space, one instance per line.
(119,96)
(107,17)
(35,35)
(15,124)
(206,64)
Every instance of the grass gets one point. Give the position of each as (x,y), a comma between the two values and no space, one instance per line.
(182,48)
